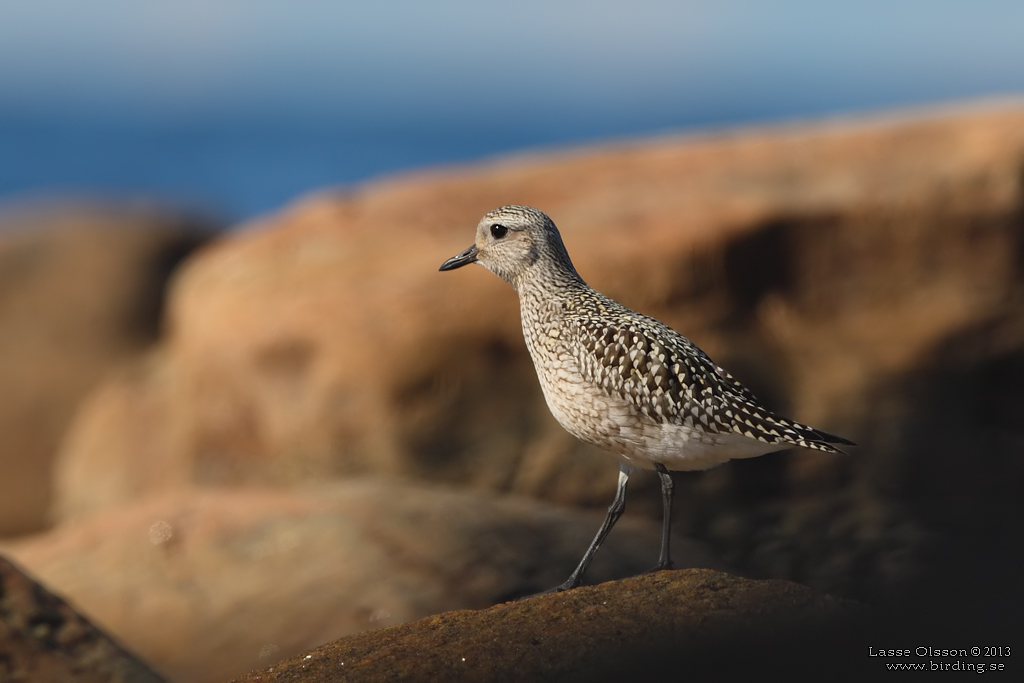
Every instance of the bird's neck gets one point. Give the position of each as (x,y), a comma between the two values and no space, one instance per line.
(547,282)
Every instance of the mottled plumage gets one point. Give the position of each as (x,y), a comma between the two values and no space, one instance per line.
(619,379)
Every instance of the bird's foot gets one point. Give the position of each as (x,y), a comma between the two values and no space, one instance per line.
(566,585)
(661,566)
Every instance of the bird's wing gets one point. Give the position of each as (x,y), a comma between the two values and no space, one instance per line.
(670,380)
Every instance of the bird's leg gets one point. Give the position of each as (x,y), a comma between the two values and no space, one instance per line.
(614,512)
(665,558)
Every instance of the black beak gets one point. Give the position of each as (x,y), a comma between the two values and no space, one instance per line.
(468,256)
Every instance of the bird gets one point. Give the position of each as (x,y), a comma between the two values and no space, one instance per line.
(621,380)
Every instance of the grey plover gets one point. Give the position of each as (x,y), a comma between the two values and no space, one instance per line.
(621,380)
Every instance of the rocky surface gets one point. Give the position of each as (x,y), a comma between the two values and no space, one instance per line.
(864,276)
(210,584)
(44,640)
(669,626)
(81,289)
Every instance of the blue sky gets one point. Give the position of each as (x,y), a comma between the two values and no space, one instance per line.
(396,83)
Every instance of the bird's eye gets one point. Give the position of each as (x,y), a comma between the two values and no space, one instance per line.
(498,231)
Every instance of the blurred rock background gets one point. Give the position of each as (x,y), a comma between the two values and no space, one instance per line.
(81,291)
(319,433)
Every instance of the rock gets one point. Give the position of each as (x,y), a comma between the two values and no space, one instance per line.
(862,276)
(81,289)
(209,584)
(44,640)
(692,624)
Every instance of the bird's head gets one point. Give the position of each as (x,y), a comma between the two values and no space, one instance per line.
(511,241)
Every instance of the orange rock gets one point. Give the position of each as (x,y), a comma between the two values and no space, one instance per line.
(81,289)
(208,584)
